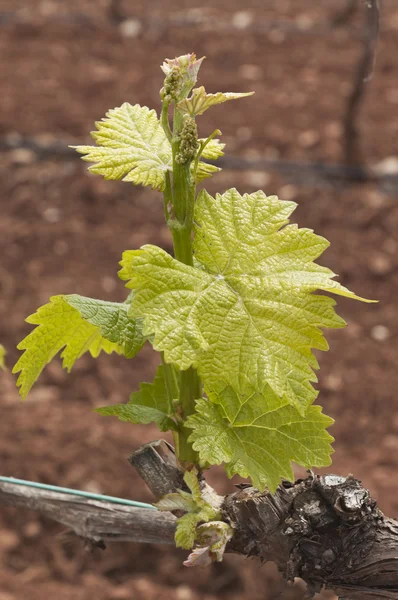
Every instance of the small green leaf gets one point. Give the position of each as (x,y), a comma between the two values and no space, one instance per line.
(213,149)
(186,530)
(131,146)
(248,316)
(187,66)
(205,170)
(191,479)
(150,404)
(60,325)
(112,320)
(257,436)
(176,501)
(199,101)
(198,511)
(2,358)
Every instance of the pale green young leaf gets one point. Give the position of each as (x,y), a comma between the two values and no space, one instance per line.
(151,404)
(186,530)
(248,316)
(213,149)
(112,320)
(61,326)
(176,501)
(131,145)
(200,101)
(258,435)
(188,67)
(2,357)
(191,479)
(205,170)
(198,509)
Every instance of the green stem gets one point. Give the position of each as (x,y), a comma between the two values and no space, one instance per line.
(167,196)
(165,121)
(183,198)
(190,391)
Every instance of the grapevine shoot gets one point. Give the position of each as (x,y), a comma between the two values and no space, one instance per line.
(234,314)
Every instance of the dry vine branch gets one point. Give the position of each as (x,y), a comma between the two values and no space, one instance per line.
(92,520)
(362,75)
(326,530)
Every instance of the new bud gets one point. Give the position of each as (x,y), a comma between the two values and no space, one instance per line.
(181,75)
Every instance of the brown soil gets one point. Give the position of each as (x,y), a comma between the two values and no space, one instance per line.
(63,231)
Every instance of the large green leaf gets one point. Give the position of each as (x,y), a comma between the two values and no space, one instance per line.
(77,325)
(247,316)
(151,404)
(258,435)
(131,145)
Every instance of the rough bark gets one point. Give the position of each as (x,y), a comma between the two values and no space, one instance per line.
(94,521)
(156,463)
(326,530)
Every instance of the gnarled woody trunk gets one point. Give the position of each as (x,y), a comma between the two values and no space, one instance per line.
(326,530)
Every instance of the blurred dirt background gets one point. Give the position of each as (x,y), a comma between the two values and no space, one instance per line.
(62,65)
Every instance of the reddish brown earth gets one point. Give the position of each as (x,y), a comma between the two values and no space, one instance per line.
(63,64)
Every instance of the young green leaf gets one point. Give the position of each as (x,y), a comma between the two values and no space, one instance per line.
(248,316)
(133,146)
(205,170)
(187,68)
(2,357)
(177,501)
(200,101)
(112,320)
(214,149)
(151,404)
(191,479)
(258,435)
(203,512)
(78,325)
(186,530)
